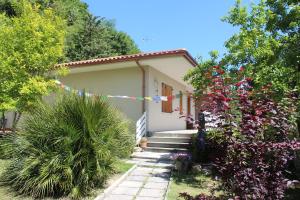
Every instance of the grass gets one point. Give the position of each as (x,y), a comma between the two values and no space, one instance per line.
(198,183)
(193,184)
(7,194)
(122,167)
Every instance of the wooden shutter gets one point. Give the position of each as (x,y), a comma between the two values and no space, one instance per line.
(167,105)
(180,104)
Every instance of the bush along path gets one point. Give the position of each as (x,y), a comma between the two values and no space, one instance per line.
(148,181)
(66,149)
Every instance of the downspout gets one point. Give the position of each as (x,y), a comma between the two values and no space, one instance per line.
(143,84)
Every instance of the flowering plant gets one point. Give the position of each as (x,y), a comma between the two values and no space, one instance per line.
(181,157)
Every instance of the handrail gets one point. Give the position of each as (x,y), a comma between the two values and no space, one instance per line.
(141,128)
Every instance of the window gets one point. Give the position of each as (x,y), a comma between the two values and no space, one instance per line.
(167,105)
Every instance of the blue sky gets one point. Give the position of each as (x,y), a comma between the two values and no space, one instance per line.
(170,24)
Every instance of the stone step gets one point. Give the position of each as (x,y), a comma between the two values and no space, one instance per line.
(170,134)
(169,139)
(165,150)
(151,155)
(168,144)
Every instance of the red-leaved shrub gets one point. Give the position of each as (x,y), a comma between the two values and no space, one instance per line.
(256,132)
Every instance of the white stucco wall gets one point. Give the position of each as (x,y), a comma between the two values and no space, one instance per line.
(158,120)
(9,116)
(125,81)
(128,81)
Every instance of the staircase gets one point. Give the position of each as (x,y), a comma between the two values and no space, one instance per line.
(170,141)
(161,145)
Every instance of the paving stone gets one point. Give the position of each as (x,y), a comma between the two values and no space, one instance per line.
(151,193)
(144,169)
(136,178)
(162,175)
(142,172)
(162,165)
(134,184)
(156,185)
(161,170)
(144,160)
(149,181)
(158,179)
(117,197)
(152,155)
(151,164)
(125,191)
(149,198)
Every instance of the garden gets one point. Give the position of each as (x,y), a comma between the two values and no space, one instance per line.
(67,149)
(71,147)
(248,151)
(247,145)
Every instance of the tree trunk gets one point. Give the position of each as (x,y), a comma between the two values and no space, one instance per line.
(3,122)
(17,116)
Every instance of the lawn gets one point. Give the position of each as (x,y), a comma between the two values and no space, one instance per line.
(196,183)
(7,194)
(193,184)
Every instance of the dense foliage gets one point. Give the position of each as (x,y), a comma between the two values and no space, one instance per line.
(256,118)
(267,43)
(30,46)
(66,149)
(37,34)
(87,36)
(257,135)
(98,38)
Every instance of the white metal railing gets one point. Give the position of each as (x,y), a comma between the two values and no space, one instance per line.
(141,128)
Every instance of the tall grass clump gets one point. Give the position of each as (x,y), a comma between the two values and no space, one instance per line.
(67,148)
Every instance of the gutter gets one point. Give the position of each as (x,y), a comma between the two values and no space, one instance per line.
(143,84)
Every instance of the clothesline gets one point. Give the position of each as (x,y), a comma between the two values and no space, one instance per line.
(155,98)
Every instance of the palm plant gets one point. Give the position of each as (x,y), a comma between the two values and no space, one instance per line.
(68,148)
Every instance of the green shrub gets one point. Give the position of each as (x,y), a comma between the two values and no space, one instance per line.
(68,148)
(5,147)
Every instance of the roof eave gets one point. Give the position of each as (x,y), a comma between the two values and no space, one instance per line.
(134,57)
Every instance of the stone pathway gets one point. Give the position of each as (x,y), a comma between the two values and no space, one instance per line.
(143,183)
(148,181)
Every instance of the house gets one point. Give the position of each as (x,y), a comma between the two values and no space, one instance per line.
(140,75)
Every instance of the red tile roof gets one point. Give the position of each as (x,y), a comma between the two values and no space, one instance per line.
(133,57)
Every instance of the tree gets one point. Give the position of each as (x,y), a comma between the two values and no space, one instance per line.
(87,36)
(31,43)
(267,43)
(200,76)
(98,38)
(122,43)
